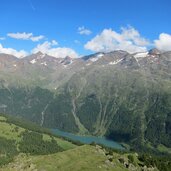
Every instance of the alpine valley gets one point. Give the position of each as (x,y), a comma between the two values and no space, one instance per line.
(124,97)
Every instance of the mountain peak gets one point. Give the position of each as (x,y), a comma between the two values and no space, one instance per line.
(67,58)
(8,57)
(39,53)
(154,51)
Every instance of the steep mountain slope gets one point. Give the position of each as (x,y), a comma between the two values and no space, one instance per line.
(126,97)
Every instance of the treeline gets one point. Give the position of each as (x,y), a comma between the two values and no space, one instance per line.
(8,150)
(162,163)
(25,124)
(28,125)
(33,143)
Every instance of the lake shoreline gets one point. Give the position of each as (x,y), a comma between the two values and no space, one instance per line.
(86,139)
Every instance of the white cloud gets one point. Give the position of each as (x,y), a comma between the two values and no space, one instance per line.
(83,31)
(77,42)
(54,42)
(131,33)
(25,36)
(10,51)
(36,38)
(164,42)
(58,52)
(108,40)
(2,38)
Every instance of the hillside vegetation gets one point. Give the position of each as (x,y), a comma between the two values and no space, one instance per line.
(88,158)
(25,146)
(15,139)
(134,110)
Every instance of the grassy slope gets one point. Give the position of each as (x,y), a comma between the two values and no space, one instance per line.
(83,158)
(12,132)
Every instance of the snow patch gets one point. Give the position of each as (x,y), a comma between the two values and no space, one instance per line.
(137,61)
(33,61)
(70,62)
(141,55)
(115,62)
(100,55)
(97,57)
(153,56)
(44,63)
(94,59)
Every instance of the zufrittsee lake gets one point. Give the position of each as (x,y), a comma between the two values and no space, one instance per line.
(89,139)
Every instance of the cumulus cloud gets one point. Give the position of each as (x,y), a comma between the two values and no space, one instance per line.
(108,40)
(10,51)
(58,52)
(132,34)
(83,31)
(164,42)
(25,36)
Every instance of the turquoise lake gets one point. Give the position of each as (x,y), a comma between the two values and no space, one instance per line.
(89,139)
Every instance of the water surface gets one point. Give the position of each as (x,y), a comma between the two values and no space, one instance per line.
(89,139)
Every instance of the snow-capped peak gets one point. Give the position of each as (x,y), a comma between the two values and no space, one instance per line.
(41,56)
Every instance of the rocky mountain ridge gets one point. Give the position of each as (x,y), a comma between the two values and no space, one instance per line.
(51,71)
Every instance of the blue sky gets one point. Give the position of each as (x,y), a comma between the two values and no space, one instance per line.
(74,24)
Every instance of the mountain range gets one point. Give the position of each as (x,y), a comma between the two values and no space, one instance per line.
(125,97)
